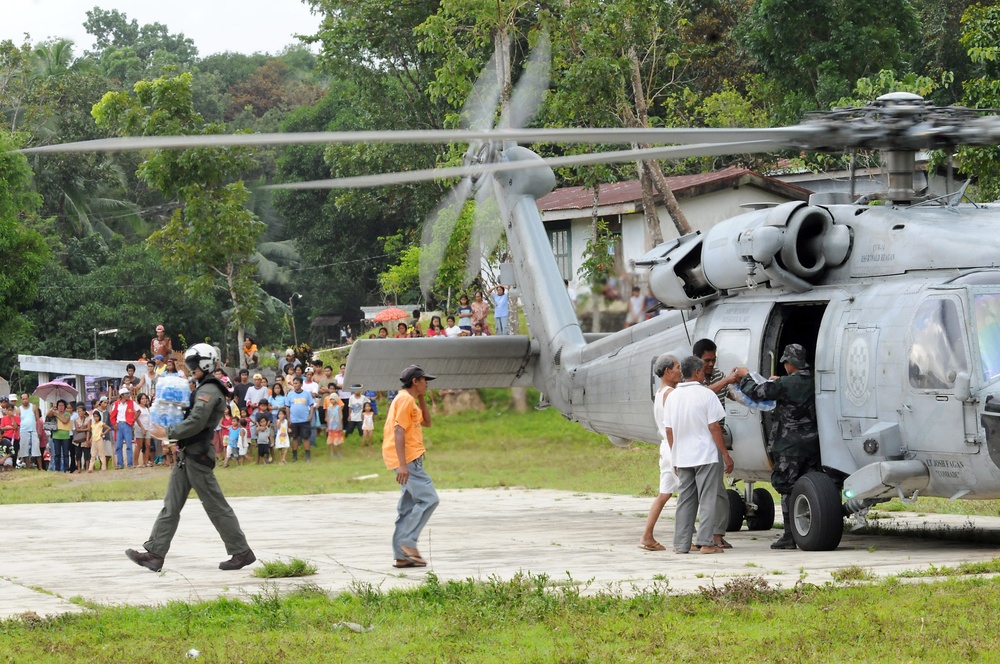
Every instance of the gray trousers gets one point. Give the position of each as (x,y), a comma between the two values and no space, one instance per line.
(188,474)
(697,495)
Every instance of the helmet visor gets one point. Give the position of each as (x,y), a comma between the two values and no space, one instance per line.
(192,361)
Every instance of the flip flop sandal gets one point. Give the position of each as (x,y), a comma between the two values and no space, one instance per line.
(655,546)
(416,560)
(404,563)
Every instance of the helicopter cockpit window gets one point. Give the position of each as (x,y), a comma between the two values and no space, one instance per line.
(937,351)
(987,308)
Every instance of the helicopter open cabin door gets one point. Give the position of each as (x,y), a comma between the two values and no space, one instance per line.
(937,352)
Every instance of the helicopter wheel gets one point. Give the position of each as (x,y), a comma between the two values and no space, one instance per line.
(817,513)
(763,518)
(737,510)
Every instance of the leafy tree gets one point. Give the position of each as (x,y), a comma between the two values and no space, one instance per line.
(816,49)
(981,39)
(211,235)
(128,52)
(23,249)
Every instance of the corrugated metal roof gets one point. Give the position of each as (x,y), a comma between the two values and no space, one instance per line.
(630,191)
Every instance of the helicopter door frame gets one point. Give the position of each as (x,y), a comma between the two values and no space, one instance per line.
(806,318)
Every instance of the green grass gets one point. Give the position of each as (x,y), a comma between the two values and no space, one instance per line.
(279,569)
(493,448)
(964,569)
(528,618)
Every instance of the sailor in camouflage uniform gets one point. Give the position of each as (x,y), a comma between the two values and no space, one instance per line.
(794,437)
(195,470)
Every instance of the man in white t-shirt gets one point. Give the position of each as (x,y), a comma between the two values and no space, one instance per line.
(691,416)
(256,392)
(452,330)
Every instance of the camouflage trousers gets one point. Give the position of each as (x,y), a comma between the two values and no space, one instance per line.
(788,469)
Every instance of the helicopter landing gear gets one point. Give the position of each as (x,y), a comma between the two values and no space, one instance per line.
(737,509)
(756,505)
(817,513)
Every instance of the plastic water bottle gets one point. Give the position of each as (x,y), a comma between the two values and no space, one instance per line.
(165,413)
(173,389)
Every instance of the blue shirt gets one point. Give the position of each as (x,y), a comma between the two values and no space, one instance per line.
(298,406)
(501,307)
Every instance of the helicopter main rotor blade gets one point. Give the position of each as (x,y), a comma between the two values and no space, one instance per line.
(614,157)
(526,98)
(788,136)
(439,226)
(480,107)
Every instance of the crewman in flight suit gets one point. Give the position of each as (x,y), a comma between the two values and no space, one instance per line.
(795,435)
(195,469)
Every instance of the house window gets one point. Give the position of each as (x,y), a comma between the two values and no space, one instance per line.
(559,238)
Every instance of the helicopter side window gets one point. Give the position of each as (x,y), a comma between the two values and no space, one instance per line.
(987,308)
(937,351)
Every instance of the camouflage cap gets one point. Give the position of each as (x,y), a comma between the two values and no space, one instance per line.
(795,355)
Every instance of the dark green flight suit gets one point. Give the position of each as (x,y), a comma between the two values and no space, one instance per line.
(195,469)
(795,435)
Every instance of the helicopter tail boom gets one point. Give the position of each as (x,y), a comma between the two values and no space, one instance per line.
(459,363)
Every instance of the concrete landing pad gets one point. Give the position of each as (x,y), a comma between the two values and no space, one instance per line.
(59,554)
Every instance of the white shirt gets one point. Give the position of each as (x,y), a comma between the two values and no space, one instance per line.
(688,412)
(255,394)
(356,404)
(452,331)
(658,414)
(312,387)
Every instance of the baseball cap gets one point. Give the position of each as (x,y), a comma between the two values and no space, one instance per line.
(157,357)
(795,355)
(159,328)
(289,352)
(309,370)
(256,376)
(124,390)
(104,397)
(413,372)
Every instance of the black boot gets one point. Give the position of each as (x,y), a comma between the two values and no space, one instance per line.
(295,456)
(238,561)
(786,541)
(150,561)
(308,455)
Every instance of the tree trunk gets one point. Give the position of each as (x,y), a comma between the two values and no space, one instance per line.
(639,117)
(240,329)
(654,235)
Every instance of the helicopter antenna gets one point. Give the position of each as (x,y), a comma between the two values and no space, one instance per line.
(686,331)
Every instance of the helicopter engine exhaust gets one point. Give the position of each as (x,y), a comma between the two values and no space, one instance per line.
(791,245)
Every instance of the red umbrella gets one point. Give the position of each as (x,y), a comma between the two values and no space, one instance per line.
(392,313)
(56,389)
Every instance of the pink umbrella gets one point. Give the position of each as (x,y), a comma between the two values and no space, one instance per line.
(392,313)
(56,390)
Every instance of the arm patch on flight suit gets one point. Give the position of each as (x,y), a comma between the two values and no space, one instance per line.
(204,397)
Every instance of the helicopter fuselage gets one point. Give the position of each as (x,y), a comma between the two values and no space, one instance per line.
(904,337)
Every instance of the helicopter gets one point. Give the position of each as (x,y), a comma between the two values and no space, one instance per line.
(898,305)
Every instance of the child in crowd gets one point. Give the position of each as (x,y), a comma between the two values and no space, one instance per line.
(243,441)
(231,430)
(334,423)
(264,436)
(281,440)
(99,429)
(367,425)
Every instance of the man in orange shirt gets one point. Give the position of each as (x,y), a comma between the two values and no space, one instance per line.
(403,451)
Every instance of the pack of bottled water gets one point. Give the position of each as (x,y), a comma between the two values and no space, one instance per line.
(172,397)
(173,389)
(736,395)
